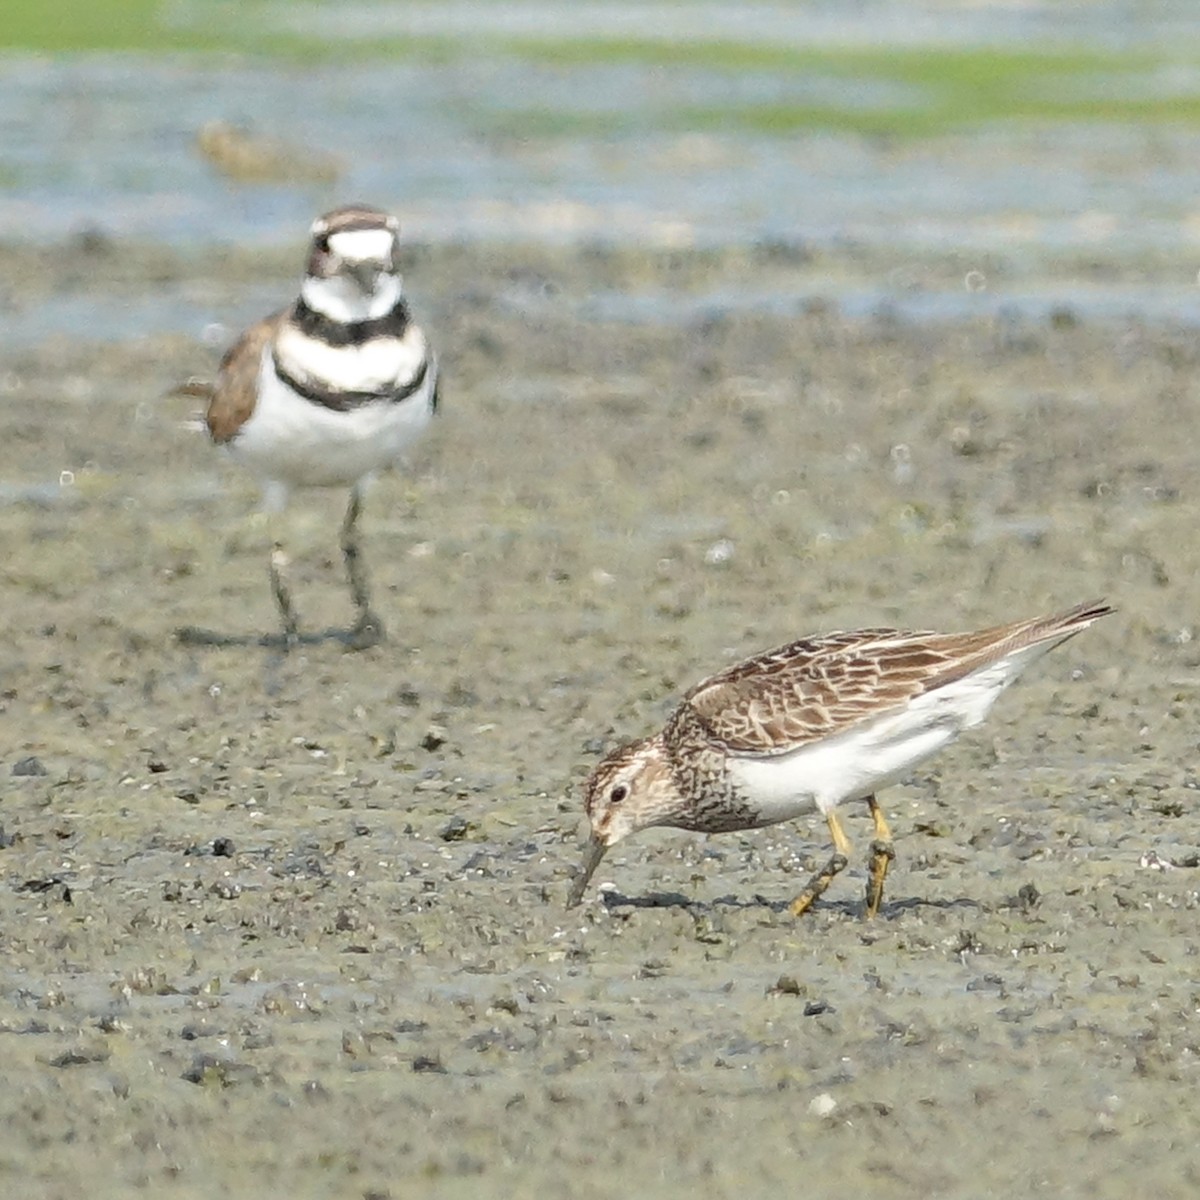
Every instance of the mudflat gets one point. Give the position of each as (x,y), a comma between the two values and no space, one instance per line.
(295,924)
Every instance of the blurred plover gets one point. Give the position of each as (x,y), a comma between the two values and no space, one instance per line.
(329,390)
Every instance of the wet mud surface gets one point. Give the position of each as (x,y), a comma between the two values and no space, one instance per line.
(295,925)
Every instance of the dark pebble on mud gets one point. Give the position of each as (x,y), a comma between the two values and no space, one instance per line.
(786,985)
(31,765)
(455,829)
(79,1056)
(193,1032)
(211,1070)
(434,739)
(51,886)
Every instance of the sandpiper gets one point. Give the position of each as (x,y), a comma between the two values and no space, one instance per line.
(808,726)
(331,389)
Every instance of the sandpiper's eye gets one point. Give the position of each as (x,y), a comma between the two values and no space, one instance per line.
(618,794)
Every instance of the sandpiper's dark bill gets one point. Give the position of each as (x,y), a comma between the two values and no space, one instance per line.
(593,853)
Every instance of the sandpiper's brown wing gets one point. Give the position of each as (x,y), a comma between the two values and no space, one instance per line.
(817,687)
(235,391)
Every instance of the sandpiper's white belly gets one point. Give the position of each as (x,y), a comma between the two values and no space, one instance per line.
(821,776)
(875,753)
(299,443)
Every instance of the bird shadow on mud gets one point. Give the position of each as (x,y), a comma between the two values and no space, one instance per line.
(611,898)
(280,645)
(193,635)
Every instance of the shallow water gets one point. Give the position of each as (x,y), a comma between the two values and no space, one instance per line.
(478,144)
(84,150)
(176,309)
(877,22)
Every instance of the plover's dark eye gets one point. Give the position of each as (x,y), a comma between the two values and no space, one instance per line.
(319,256)
(618,794)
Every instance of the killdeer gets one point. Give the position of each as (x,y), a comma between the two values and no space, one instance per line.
(329,390)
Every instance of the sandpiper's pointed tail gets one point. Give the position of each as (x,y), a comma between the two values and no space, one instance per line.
(1066,623)
(1016,644)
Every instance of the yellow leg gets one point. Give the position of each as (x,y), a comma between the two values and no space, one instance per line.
(882,853)
(825,876)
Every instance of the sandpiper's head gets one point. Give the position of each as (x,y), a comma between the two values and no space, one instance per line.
(353,273)
(630,789)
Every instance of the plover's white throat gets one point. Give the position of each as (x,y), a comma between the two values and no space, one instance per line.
(331,389)
(808,726)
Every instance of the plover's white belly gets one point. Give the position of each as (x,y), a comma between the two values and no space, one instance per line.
(291,440)
(871,755)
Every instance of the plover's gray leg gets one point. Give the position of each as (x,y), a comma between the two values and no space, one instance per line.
(882,854)
(368,628)
(275,498)
(826,875)
(283,595)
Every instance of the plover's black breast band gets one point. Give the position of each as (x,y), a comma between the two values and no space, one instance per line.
(317,325)
(342,401)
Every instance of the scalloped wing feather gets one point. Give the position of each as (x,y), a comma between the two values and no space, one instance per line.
(819,687)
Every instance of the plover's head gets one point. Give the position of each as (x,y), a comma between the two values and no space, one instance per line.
(353,274)
(631,789)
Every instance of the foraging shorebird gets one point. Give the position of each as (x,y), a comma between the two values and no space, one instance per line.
(809,726)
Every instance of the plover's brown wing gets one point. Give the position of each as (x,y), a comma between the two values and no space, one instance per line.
(235,391)
(818,687)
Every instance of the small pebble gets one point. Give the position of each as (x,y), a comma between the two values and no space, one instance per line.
(719,553)
(434,739)
(786,985)
(455,829)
